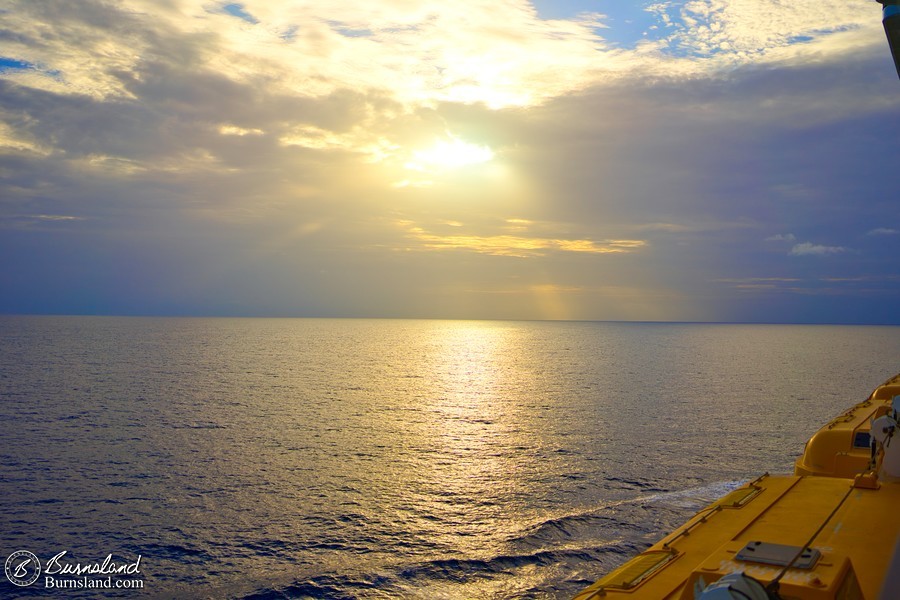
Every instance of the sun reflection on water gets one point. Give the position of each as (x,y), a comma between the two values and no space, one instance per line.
(470,434)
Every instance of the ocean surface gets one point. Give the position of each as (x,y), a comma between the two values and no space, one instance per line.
(306,458)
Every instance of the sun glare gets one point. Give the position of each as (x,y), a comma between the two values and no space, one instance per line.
(450,154)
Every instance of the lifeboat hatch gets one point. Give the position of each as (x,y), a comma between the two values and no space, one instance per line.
(779,555)
(636,570)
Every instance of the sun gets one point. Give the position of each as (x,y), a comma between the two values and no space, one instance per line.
(450,154)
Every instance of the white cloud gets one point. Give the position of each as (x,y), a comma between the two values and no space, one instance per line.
(782,237)
(770,30)
(810,249)
(501,54)
(883,231)
(498,53)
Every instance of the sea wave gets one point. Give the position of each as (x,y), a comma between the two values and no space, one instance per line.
(545,560)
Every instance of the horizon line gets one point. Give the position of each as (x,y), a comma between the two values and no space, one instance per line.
(437,318)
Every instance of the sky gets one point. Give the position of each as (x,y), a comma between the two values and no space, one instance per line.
(657,160)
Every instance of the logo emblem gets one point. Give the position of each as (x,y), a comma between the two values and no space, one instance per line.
(22,568)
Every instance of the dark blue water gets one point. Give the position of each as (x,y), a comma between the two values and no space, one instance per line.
(278,458)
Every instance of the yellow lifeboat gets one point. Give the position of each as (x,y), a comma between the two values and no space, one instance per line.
(827,532)
(842,448)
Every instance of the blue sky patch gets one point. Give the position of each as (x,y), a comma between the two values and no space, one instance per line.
(12,64)
(627,23)
(8,65)
(352,31)
(237,10)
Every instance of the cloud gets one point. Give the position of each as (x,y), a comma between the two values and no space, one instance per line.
(508,245)
(765,30)
(782,237)
(499,54)
(251,157)
(879,231)
(810,249)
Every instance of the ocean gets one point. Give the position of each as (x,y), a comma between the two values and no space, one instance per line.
(327,458)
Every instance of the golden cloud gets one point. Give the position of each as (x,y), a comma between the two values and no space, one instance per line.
(521,246)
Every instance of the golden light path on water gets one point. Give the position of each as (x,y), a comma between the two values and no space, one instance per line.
(471,421)
(474,458)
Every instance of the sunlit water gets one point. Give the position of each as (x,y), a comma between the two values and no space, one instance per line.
(395,459)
